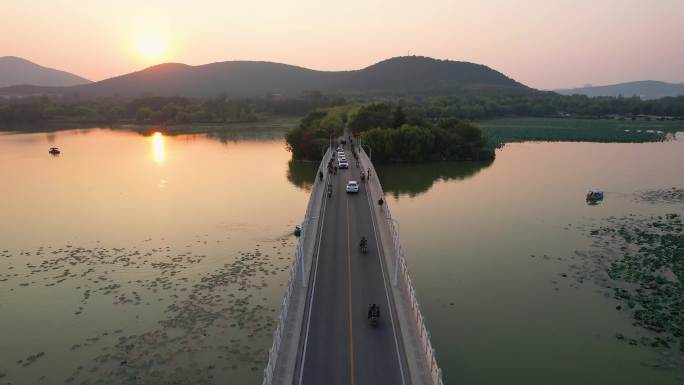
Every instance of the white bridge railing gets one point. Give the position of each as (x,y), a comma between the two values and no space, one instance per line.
(298,270)
(401,277)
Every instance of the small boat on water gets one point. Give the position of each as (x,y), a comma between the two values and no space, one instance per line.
(594,196)
(54,151)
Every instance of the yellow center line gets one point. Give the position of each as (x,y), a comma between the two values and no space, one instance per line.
(349,296)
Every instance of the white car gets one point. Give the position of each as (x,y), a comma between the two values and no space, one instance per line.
(343,164)
(352,186)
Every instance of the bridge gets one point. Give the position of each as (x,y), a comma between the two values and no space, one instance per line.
(323,334)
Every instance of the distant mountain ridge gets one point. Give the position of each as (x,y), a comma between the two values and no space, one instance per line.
(647,89)
(17,71)
(400,75)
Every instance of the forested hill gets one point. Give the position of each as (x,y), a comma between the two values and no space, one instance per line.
(412,75)
(647,89)
(423,75)
(16,71)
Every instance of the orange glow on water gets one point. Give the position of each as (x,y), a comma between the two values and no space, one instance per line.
(158,147)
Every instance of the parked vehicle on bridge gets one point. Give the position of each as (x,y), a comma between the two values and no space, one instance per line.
(374,314)
(344,164)
(352,186)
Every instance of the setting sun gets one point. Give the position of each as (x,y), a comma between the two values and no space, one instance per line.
(152,46)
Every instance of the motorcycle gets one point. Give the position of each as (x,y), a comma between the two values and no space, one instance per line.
(374,315)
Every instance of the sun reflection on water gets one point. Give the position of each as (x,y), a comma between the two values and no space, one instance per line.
(158,147)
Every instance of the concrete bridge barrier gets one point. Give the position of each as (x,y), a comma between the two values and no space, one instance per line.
(283,353)
(420,353)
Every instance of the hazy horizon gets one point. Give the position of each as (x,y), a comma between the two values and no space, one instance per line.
(564,44)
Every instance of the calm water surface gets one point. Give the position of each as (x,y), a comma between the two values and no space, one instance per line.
(162,259)
(137,259)
(497,315)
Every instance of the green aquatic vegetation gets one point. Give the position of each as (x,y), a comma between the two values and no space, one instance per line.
(500,131)
(217,321)
(649,277)
(672,195)
(30,359)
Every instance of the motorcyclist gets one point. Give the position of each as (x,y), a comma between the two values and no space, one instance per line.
(364,242)
(373,311)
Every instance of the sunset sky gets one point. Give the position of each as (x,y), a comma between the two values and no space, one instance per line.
(542,43)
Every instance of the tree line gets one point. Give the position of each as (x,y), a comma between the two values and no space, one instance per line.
(315,132)
(542,104)
(221,109)
(158,110)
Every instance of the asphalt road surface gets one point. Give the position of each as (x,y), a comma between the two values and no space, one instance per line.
(339,346)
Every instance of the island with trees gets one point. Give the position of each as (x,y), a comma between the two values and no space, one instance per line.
(390,133)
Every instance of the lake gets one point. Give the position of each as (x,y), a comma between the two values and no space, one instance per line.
(159,259)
